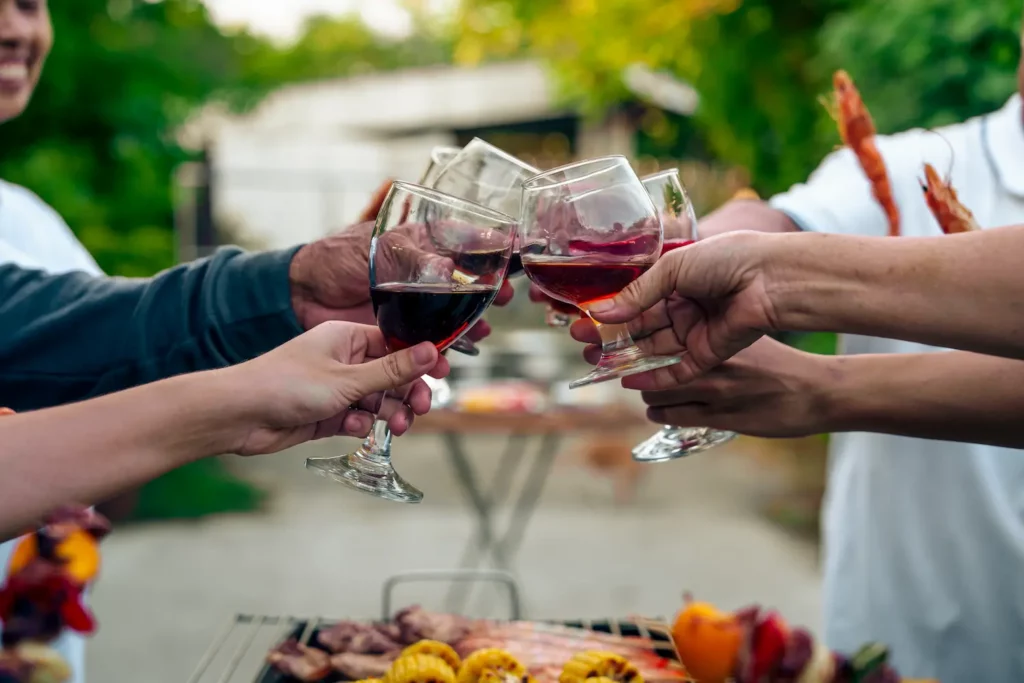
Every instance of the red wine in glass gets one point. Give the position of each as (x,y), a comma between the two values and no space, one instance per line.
(583,280)
(411,313)
(674,244)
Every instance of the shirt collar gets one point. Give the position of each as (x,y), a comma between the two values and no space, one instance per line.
(1004,141)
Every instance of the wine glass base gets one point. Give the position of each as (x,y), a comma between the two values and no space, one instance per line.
(465,347)
(624,364)
(671,443)
(357,472)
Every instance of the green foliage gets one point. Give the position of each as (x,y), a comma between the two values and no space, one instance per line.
(927,62)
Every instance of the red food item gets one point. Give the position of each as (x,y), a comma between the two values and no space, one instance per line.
(770,638)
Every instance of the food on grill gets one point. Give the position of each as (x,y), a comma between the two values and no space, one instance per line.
(479,651)
(599,665)
(42,596)
(418,624)
(305,663)
(754,645)
(356,666)
(420,668)
(951,215)
(437,649)
(352,636)
(494,661)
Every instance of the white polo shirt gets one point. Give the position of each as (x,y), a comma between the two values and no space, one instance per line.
(33,235)
(924,540)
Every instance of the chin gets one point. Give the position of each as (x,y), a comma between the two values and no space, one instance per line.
(12,107)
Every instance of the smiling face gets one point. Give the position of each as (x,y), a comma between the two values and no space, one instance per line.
(25,39)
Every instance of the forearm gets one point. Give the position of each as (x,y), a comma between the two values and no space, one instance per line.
(745,214)
(960,291)
(68,337)
(90,451)
(951,396)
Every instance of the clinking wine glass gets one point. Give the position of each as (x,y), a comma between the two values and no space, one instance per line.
(441,394)
(420,295)
(494,178)
(440,157)
(679,222)
(588,230)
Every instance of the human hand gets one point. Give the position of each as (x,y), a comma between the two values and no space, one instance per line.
(330,278)
(767,390)
(327,382)
(707,301)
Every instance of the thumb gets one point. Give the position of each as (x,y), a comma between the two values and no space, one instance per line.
(393,370)
(656,284)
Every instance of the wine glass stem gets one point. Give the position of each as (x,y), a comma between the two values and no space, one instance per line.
(615,338)
(377,445)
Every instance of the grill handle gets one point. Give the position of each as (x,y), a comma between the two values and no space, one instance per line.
(454,575)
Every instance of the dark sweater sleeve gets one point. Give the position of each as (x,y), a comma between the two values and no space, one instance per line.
(73,336)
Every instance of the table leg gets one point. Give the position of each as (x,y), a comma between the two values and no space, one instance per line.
(529,496)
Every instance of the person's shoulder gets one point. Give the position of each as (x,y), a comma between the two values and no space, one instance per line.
(25,206)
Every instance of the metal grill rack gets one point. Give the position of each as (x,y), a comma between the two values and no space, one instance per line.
(237,653)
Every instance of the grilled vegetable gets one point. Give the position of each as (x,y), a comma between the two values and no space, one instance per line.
(435,648)
(490,660)
(419,668)
(594,664)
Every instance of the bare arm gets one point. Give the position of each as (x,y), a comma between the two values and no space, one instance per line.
(745,214)
(87,452)
(952,396)
(773,390)
(961,291)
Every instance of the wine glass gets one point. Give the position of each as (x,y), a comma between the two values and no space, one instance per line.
(490,176)
(441,394)
(586,231)
(440,157)
(679,222)
(421,295)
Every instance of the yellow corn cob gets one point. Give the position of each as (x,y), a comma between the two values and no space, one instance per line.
(435,648)
(371,680)
(600,679)
(586,665)
(419,669)
(496,662)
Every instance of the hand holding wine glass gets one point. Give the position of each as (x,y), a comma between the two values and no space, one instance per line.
(428,284)
(588,230)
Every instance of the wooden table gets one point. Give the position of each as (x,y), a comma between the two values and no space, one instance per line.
(548,428)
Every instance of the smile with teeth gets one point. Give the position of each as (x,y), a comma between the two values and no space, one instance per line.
(13,71)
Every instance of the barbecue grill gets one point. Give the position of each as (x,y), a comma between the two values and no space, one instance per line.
(237,654)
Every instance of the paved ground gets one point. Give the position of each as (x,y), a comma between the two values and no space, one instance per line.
(166,589)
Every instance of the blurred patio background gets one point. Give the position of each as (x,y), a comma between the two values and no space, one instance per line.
(165,128)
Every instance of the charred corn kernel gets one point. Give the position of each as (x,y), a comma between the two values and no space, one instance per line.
(591,664)
(435,648)
(371,680)
(600,679)
(419,669)
(494,661)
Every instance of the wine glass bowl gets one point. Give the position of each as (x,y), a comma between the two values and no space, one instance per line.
(423,293)
(679,223)
(587,230)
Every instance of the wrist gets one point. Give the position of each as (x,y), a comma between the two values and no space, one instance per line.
(206,412)
(850,401)
(811,278)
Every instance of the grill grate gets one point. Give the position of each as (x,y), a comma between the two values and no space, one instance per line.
(237,654)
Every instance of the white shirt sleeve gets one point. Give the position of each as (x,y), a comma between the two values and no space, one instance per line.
(835,199)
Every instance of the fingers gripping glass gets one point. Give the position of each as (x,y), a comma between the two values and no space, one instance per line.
(587,230)
(679,222)
(420,295)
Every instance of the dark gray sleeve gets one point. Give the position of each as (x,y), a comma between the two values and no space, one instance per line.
(73,336)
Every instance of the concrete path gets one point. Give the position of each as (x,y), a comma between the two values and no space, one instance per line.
(320,549)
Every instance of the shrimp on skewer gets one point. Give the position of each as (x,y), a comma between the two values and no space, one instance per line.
(951,215)
(858,133)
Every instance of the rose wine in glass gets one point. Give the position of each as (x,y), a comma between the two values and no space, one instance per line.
(422,295)
(587,230)
(679,222)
